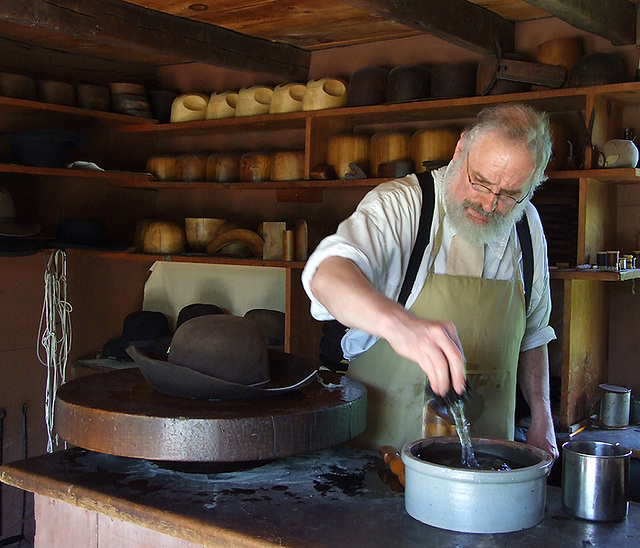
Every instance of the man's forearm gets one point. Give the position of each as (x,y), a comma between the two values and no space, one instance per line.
(533,377)
(345,292)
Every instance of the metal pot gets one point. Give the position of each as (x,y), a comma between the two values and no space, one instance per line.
(595,480)
(473,500)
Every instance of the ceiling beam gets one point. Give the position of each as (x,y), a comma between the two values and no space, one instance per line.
(614,20)
(456,21)
(117,23)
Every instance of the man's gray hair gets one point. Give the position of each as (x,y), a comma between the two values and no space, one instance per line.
(518,123)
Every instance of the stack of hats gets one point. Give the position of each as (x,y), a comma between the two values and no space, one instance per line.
(131,99)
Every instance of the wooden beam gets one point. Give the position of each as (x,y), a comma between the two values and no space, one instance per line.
(462,23)
(614,20)
(119,24)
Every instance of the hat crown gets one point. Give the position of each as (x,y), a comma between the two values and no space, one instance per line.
(224,346)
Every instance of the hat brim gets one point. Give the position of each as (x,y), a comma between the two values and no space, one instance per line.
(19,229)
(288,373)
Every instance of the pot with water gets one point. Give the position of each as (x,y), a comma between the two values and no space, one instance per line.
(506,492)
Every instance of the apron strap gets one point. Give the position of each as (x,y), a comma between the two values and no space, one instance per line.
(524,235)
(422,238)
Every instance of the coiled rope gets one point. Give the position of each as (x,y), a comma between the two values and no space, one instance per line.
(54,334)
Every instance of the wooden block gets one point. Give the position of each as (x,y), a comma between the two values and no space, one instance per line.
(272,236)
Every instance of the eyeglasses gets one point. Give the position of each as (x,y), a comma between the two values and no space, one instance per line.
(504,199)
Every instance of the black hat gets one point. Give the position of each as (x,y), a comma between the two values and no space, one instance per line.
(223,357)
(196,309)
(145,329)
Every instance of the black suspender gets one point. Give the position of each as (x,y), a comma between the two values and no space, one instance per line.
(424,232)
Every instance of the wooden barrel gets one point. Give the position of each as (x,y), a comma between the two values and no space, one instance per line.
(430,145)
(388,147)
(345,149)
(562,52)
(164,237)
(287,165)
(223,167)
(255,166)
(191,167)
(163,168)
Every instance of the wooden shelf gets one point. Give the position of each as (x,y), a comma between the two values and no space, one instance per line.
(613,175)
(594,274)
(17,112)
(557,100)
(139,182)
(129,177)
(131,255)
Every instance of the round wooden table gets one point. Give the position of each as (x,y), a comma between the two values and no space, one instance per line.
(119,413)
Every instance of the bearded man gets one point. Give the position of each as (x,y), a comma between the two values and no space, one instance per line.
(465,315)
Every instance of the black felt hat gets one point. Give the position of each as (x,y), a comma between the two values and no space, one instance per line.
(195,310)
(223,357)
(145,329)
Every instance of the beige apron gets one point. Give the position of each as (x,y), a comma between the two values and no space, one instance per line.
(490,318)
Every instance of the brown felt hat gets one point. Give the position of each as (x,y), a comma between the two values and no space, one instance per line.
(223,357)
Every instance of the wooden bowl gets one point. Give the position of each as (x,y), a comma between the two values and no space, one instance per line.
(223,167)
(287,165)
(163,168)
(164,237)
(200,231)
(345,149)
(255,166)
(388,147)
(191,167)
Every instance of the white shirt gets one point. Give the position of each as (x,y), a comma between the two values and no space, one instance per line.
(379,237)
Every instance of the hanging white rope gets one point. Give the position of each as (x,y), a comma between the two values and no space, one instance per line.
(54,334)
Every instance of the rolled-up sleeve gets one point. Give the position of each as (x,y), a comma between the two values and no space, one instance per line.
(375,237)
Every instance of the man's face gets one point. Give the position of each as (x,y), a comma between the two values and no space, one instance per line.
(487,187)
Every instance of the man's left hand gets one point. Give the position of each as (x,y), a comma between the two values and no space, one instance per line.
(541,434)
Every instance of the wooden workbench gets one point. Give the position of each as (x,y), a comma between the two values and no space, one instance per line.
(334,497)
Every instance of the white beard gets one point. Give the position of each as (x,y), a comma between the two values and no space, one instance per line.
(496,226)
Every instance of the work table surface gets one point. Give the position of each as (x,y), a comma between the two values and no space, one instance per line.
(334,497)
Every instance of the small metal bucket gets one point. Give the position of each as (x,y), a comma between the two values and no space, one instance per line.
(595,480)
